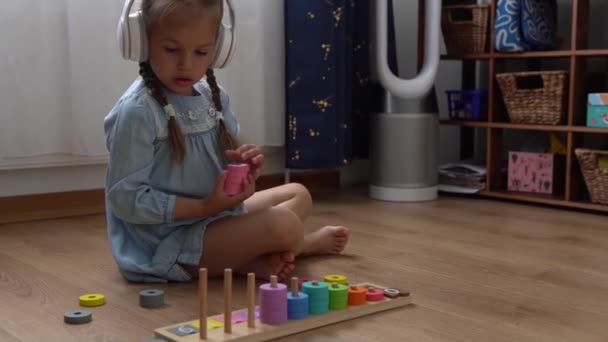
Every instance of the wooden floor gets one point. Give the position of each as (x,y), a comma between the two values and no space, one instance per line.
(478,270)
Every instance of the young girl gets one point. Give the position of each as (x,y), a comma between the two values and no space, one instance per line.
(170,136)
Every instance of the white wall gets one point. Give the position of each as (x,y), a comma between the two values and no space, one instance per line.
(256,76)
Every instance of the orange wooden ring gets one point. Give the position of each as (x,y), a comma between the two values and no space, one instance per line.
(357,295)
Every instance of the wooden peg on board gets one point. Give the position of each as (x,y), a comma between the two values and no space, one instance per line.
(228,301)
(251,300)
(202,296)
(294,286)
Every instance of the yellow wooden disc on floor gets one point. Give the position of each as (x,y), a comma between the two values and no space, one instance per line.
(335,278)
(93,299)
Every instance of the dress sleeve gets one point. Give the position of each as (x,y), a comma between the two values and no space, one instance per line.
(131,136)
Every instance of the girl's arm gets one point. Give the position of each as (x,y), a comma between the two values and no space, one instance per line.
(130,132)
(218,201)
(187,208)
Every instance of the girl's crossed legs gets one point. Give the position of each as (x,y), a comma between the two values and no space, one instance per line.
(267,239)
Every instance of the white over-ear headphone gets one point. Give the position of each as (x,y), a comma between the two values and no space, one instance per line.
(133,40)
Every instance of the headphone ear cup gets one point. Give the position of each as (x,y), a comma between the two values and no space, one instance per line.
(219,45)
(224,48)
(121,35)
(226,38)
(229,45)
(138,40)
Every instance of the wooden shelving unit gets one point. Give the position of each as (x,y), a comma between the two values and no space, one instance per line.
(576,56)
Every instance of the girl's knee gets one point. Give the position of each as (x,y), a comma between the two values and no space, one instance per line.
(286,228)
(301,191)
(302,194)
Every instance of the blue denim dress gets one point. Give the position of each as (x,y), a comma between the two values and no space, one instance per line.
(143,182)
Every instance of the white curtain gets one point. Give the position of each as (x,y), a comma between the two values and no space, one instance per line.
(60,74)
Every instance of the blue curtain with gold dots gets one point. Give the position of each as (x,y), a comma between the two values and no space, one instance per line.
(329,92)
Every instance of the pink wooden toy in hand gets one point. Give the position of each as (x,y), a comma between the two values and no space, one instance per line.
(235,179)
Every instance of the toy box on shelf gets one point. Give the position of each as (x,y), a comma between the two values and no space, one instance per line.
(535,172)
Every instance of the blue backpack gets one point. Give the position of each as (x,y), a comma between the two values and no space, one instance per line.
(523,25)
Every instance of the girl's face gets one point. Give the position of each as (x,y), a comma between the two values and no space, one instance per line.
(182,45)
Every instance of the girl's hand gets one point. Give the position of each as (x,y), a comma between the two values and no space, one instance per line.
(219,201)
(250,154)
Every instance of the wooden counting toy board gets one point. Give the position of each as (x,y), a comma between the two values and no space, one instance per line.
(241,331)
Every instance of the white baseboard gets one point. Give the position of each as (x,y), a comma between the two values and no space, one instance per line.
(50,180)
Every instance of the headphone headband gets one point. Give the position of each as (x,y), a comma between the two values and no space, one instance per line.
(133,40)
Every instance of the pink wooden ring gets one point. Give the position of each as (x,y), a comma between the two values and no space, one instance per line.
(235,179)
(374,295)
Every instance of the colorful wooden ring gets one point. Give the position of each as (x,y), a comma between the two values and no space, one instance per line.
(235,177)
(357,295)
(335,278)
(392,293)
(374,295)
(356,289)
(151,298)
(77,317)
(91,300)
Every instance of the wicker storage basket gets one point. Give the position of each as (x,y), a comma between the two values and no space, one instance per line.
(535,97)
(465,28)
(596,179)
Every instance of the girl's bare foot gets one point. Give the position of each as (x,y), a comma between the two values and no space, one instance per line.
(327,240)
(279,264)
